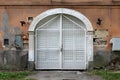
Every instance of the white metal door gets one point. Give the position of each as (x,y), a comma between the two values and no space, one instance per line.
(47,45)
(74,56)
(60,44)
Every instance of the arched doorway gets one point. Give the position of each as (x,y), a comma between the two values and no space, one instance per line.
(60,40)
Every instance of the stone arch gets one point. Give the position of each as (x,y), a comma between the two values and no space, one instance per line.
(80,16)
(74,13)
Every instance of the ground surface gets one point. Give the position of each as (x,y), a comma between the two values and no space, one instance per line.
(62,75)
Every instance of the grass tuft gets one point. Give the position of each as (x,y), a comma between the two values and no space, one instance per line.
(107,75)
(17,75)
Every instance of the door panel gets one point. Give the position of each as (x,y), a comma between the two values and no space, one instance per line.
(48,59)
(48,50)
(73,46)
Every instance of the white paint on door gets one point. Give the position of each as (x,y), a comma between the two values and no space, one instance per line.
(60,44)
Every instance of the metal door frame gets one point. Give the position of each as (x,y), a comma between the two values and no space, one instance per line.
(61,43)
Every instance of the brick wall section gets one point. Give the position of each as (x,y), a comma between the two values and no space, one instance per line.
(116,0)
(20,10)
(109,15)
(59,2)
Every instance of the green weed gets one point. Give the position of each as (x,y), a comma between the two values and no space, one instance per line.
(17,75)
(107,75)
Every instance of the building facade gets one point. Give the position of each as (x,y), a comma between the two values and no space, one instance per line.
(61,34)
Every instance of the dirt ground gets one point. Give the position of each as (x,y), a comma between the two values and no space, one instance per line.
(62,75)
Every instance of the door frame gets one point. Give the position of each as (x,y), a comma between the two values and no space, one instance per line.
(80,16)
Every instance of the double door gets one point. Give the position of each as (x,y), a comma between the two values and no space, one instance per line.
(60,43)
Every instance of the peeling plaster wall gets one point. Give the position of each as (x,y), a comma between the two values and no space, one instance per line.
(110,16)
(5,26)
(7,32)
(1,34)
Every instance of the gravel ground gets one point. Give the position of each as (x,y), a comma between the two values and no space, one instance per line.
(62,75)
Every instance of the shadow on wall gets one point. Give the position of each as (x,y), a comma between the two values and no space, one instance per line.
(101,58)
(13,60)
(106,60)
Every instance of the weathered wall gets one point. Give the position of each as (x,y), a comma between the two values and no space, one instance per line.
(13,60)
(108,15)
(106,10)
(59,2)
(106,60)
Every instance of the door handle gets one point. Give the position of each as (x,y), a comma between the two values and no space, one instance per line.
(61,48)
